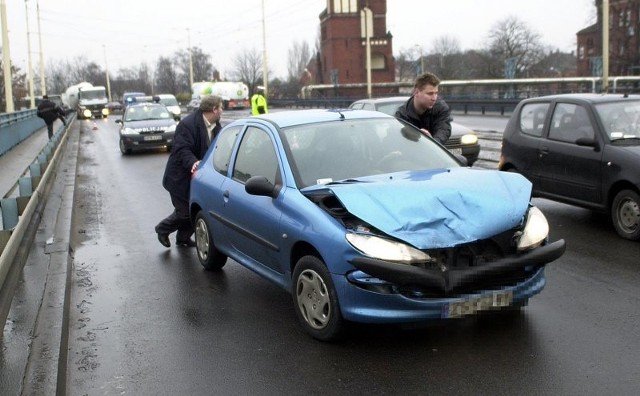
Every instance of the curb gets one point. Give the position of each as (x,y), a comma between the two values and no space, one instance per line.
(45,371)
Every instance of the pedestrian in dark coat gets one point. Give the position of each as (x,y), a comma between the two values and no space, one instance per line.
(426,110)
(50,112)
(193,135)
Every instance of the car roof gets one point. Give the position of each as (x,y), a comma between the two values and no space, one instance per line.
(586,97)
(285,119)
(390,99)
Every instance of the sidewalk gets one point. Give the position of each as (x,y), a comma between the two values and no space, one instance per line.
(14,162)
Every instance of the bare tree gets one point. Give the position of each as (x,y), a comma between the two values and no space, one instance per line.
(447,49)
(18,83)
(247,66)
(166,76)
(408,63)
(202,67)
(516,46)
(299,56)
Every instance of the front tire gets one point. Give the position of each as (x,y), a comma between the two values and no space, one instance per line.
(625,214)
(210,257)
(316,301)
(123,149)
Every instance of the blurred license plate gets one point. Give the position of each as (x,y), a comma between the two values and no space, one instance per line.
(456,150)
(469,306)
(153,137)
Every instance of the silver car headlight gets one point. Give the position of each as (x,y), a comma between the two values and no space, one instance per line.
(536,230)
(469,138)
(171,129)
(386,249)
(129,131)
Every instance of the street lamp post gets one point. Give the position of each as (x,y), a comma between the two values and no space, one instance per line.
(31,90)
(43,82)
(6,60)
(190,58)
(106,68)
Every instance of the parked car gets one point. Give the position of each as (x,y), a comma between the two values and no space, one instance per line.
(145,126)
(462,140)
(114,107)
(170,102)
(580,149)
(364,219)
(193,105)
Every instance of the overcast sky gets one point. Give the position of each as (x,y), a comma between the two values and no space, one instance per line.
(128,32)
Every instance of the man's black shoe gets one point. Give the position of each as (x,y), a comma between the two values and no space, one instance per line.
(164,240)
(187,243)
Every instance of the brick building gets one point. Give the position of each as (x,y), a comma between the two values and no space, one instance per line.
(624,41)
(342,57)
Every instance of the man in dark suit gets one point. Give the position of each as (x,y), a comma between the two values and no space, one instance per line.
(192,138)
(50,112)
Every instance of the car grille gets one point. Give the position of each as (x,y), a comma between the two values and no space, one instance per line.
(453,141)
(475,254)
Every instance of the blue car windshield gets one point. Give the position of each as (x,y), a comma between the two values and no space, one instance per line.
(327,152)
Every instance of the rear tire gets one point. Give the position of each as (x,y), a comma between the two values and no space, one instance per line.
(210,257)
(316,301)
(625,214)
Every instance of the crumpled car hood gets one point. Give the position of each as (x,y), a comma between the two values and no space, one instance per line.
(437,209)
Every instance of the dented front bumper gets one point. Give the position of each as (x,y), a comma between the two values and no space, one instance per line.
(451,281)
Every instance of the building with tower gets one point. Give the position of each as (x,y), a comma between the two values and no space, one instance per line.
(342,58)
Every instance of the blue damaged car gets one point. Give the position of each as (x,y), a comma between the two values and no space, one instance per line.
(362,218)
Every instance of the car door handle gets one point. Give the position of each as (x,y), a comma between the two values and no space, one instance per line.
(543,151)
(225,194)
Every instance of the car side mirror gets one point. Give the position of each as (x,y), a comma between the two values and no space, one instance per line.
(259,185)
(462,159)
(118,121)
(587,142)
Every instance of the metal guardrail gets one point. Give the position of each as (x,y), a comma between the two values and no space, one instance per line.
(16,211)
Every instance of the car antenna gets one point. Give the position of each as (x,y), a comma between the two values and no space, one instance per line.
(331,105)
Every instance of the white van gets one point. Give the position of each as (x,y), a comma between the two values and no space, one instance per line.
(170,102)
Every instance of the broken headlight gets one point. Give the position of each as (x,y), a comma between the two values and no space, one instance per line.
(535,231)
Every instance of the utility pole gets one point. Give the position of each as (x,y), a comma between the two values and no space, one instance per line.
(106,68)
(43,82)
(366,29)
(6,60)
(605,46)
(190,59)
(31,90)
(265,70)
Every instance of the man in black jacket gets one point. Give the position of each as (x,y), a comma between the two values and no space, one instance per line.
(192,138)
(426,110)
(50,112)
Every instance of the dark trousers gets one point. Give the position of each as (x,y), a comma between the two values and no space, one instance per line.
(177,221)
(49,129)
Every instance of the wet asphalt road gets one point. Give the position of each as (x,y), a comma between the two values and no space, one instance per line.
(149,320)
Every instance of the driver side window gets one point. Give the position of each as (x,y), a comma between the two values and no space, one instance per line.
(256,157)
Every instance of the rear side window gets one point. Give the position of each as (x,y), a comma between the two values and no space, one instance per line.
(532,118)
(569,123)
(224,147)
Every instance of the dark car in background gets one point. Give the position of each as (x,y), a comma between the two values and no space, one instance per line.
(462,140)
(580,149)
(146,126)
(362,218)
